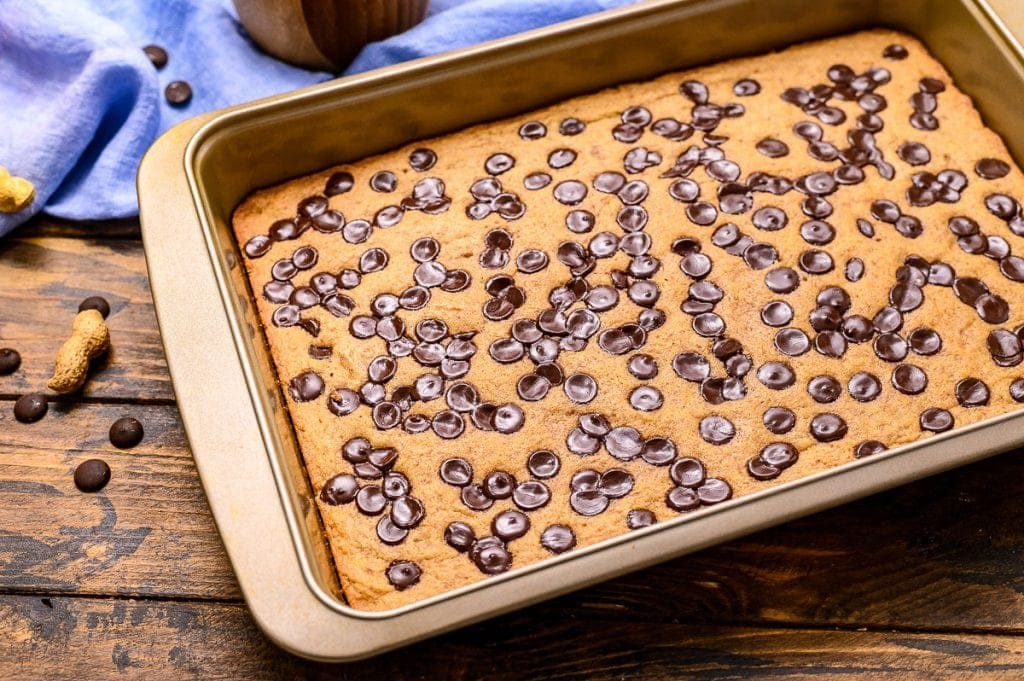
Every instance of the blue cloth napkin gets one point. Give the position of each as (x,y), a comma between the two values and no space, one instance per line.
(80,103)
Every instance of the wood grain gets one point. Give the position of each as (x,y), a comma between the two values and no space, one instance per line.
(74,638)
(149,532)
(45,278)
(942,554)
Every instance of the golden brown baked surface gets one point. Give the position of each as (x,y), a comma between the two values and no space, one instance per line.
(890,213)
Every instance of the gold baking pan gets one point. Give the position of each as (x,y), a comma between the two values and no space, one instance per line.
(195,175)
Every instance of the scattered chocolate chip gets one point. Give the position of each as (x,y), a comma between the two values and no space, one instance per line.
(126,432)
(92,475)
(95,303)
(10,360)
(178,93)
(157,55)
(30,408)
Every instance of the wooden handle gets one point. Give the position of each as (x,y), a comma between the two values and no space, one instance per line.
(325,34)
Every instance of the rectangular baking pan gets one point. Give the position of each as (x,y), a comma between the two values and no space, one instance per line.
(195,175)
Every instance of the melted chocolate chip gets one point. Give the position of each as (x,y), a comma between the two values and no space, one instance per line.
(828,427)
(991,169)
(306,386)
(909,379)
(936,420)
(403,574)
(824,389)
(340,489)
(776,375)
(972,392)
(558,538)
(782,280)
(716,430)
(778,420)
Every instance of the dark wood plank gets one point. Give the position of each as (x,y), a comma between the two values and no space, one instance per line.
(45,278)
(99,638)
(149,532)
(940,554)
(47,225)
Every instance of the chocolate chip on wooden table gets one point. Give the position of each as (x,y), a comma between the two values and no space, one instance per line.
(126,432)
(95,303)
(10,360)
(30,408)
(92,475)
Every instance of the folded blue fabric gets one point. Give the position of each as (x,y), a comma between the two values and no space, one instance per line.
(80,103)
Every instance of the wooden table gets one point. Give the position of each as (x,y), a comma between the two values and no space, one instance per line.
(924,581)
(134,581)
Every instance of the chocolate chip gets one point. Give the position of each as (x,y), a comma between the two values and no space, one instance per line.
(531,495)
(532,387)
(178,93)
(543,464)
(864,386)
(474,497)
(10,360)
(340,489)
(991,168)
(126,432)
(1017,390)
(701,213)
(914,153)
(658,451)
(383,181)
(570,192)
(782,280)
(616,483)
(776,375)
(580,388)
(639,518)
(646,398)
(558,538)
(642,366)
(708,324)
(815,262)
(447,425)
(992,308)
(817,232)
(828,427)
(389,533)
(909,379)
(769,218)
(824,389)
(406,511)
(936,420)
(972,392)
(92,475)
(716,430)
(588,502)
(792,341)
(532,130)
(778,420)
(370,500)
(403,574)
(509,525)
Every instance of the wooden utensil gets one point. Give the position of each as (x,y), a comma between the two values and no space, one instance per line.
(325,34)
